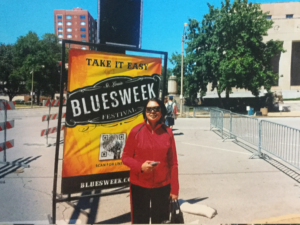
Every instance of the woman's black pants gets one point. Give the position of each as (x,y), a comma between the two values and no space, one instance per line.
(140,204)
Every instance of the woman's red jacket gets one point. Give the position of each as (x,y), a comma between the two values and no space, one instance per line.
(144,144)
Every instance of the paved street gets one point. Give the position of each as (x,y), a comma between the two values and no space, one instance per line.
(290,121)
(211,172)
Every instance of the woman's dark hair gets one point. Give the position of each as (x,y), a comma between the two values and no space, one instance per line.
(162,108)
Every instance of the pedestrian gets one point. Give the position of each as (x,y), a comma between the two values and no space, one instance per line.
(150,153)
(171,112)
(165,100)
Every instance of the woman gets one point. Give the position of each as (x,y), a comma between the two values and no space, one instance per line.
(149,143)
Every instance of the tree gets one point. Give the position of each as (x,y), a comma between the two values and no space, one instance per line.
(11,83)
(27,58)
(227,48)
(40,57)
(49,79)
(190,81)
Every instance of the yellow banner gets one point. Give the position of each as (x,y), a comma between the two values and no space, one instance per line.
(106,94)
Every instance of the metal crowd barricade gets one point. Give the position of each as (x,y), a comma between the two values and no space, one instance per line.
(216,120)
(277,139)
(200,111)
(186,111)
(227,121)
(245,128)
(281,141)
(233,125)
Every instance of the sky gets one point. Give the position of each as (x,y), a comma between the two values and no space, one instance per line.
(163,20)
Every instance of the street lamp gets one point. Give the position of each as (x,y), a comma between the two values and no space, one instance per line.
(181,89)
(32,72)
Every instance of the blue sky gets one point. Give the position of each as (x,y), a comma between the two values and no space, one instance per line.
(162,19)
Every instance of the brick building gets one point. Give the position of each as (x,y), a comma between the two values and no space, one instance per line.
(77,25)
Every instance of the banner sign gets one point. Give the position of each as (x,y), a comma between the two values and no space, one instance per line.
(110,100)
(106,96)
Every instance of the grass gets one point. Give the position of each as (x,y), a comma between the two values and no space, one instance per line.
(22,106)
(292,99)
(25,106)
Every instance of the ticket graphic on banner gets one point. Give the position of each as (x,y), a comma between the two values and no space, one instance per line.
(106,96)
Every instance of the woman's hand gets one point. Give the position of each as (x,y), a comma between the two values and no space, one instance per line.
(173,197)
(146,167)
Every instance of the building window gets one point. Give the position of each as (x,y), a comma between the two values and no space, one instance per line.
(60,36)
(82,16)
(59,16)
(89,18)
(84,48)
(83,36)
(69,23)
(82,29)
(269,17)
(289,16)
(69,29)
(295,78)
(83,40)
(82,23)
(59,23)
(69,17)
(60,29)
(69,35)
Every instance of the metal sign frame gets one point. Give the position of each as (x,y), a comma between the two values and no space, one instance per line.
(56,198)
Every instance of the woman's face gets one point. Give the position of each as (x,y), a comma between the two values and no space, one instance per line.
(153,112)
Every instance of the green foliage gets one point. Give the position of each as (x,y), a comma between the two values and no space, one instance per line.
(31,54)
(11,83)
(227,50)
(40,56)
(190,81)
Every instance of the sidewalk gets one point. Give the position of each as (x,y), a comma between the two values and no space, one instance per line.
(284,114)
(214,173)
(221,175)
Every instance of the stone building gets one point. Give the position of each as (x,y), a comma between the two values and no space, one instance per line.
(286,28)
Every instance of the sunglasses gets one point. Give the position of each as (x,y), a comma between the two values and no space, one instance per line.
(154,109)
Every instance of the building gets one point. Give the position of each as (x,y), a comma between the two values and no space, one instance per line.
(286,27)
(77,25)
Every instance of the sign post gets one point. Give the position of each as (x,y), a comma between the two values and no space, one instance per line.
(106,96)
